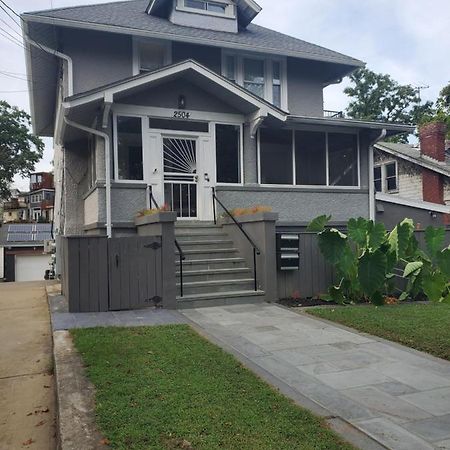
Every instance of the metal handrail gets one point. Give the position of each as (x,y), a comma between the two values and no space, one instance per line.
(177,245)
(256,250)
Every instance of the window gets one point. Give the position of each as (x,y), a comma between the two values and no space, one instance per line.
(179,125)
(129,148)
(153,55)
(310,158)
(263,77)
(276,156)
(254,76)
(385,177)
(214,7)
(311,154)
(228,153)
(343,159)
(276,84)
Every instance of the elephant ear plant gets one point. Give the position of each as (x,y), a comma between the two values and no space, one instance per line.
(428,272)
(365,258)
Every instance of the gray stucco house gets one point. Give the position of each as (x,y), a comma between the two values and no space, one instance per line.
(176,97)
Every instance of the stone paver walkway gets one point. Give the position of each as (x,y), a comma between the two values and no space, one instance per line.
(63,320)
(398,396)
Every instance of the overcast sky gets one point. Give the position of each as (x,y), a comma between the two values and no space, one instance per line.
(409,39)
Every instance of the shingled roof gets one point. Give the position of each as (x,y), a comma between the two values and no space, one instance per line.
(131,17)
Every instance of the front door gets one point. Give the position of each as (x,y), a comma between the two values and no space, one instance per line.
(180,161)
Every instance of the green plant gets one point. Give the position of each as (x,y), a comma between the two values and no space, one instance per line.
(428,272)
(365,257)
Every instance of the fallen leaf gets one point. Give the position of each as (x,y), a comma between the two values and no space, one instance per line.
(29,414)
(105,441)
(29,442)
(45,410)
(40,423)
(46,387)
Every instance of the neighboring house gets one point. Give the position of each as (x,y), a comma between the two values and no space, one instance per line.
(41,197)
(22,251)
(16,208)
(414,181)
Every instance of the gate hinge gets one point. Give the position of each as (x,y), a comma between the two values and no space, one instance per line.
(153,245)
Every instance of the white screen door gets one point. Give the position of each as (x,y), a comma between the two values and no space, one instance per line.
(180,176)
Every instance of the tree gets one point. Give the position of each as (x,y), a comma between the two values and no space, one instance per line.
(20,150)
(441,111)
(379,97)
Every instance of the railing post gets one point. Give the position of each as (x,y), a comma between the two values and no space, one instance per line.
(214,205)
(254,269)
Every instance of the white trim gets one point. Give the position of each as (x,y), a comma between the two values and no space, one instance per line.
(427,165)
(382,166)
(389,198)
(187,39)
(173,70)
(136,63)
(230,9)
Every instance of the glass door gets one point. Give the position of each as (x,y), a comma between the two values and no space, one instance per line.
(180,176)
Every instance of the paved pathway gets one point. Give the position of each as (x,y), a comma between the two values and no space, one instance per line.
(397,396)
(27,413)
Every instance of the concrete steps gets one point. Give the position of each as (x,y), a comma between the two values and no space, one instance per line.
(214,273)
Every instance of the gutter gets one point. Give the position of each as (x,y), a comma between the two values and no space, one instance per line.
(372,213)
(107,168)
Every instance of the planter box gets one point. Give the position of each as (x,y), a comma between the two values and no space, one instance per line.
(161,217)
(250,218)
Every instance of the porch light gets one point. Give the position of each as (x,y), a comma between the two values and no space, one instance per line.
(181,102)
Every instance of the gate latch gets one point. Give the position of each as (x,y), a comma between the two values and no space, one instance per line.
(153,245)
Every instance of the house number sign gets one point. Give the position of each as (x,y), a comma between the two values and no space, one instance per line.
(181,115)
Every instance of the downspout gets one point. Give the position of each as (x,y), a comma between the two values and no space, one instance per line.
(372,213)
(53,52)
(107,168)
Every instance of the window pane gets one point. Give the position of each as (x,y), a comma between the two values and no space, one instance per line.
(391,184)
(254,76)
(277,96)
(228,153)
(378,179)
(230,67)
(310,156)
(129,137)
(390,170)
(216,7)
(378,187)
(179,125)
(197,4)
(152,55)
(276,156)
(343,159)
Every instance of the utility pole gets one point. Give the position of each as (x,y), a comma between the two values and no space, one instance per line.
(419,91)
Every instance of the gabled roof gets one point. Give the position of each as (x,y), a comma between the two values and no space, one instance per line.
(418,204)
(412,154)
(247,10)
(130,17)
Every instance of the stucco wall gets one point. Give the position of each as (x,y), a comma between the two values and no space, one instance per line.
(299,205)
(98,58)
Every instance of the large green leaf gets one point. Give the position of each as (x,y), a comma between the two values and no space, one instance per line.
(443,260)
(446,299)
(348,263)
(377,298)
(412,268)
(434,286)
(357,231)
(318,224)
(400,238)
(434,237)
(372,271)
(332,244)
(377,234)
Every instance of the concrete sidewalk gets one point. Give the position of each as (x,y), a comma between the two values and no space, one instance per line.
(27,415)
(397,396)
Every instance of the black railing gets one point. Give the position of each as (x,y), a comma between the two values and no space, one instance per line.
(256,250)
(333,114)
(177,245)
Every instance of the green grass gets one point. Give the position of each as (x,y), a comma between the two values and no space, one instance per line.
(168,388)
(423,327)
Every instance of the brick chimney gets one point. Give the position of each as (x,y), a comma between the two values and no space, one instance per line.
(432,140)
(432,144)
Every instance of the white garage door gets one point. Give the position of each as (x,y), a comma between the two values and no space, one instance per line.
(31,267)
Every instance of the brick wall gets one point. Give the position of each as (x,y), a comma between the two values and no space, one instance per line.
(433,187)
(432,140)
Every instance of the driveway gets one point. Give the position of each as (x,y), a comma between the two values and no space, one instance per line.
(27,415)
(398,396)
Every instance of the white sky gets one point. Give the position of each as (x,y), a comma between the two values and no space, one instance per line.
(409,39)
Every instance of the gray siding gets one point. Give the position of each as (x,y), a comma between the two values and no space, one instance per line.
(166,96)
(299,205)
(305,88)
(210,57)
(98,58)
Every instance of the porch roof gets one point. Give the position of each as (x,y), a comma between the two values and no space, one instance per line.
(217,85)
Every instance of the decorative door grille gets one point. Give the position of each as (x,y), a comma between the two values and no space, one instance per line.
(180,176)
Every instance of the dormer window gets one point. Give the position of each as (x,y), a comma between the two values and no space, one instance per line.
(214,7)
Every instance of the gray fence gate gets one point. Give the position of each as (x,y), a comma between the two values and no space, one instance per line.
(134,272)
(101,274)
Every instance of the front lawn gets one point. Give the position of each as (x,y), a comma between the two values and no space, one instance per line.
(423,327)
(168,388)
